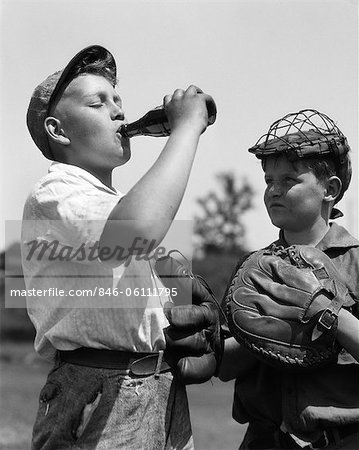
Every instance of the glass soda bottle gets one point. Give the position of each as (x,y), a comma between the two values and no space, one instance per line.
(155,122)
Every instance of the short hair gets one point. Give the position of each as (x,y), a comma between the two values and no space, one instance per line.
(101,67)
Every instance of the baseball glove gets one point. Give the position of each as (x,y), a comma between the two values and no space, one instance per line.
(283,305)
(194,339)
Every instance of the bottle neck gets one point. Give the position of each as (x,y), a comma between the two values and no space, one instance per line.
(154,123)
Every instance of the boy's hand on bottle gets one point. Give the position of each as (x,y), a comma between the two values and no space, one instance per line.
(188,109)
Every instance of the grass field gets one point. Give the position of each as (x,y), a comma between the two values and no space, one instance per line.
(23,374)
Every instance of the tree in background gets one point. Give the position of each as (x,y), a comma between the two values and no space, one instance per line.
(220,232)
(220,227)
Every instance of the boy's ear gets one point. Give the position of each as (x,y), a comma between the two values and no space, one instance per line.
(55,131)
(333,188)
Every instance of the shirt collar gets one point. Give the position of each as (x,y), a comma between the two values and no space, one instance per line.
(336,237)
(82,173)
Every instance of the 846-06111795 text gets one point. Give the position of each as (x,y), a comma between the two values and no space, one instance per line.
(96,291)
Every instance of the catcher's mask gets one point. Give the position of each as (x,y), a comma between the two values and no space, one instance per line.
(304,134)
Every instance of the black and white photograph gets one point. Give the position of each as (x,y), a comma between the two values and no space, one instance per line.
(179,237)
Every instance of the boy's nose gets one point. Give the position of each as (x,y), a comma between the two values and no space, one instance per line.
(117,113)
(275,190)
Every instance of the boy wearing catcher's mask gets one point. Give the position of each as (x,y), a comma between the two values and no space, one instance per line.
(110,387)
(307,169)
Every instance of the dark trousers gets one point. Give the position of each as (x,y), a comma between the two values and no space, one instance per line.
(264,439)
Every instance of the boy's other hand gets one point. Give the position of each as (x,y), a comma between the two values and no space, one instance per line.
(187,110)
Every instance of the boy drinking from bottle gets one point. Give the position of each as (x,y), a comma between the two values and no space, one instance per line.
(110,386)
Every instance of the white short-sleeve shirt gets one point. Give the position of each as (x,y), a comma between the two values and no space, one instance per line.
(63,219)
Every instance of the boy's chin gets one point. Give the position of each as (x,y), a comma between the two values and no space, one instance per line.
(125,157)
(279,223)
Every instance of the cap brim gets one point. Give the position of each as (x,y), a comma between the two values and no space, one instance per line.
(87,55)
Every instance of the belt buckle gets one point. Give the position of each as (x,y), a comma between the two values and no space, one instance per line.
(149,365)
(327,319)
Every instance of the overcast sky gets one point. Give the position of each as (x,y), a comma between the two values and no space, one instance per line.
(258,59)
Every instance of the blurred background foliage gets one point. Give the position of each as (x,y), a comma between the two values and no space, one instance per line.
(219,232)
(219,227)
(219,242)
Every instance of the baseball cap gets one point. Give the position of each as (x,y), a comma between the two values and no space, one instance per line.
(50,90)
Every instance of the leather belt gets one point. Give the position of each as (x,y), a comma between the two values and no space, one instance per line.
(138,363)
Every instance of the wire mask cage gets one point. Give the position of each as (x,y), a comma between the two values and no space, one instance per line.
(307,132)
